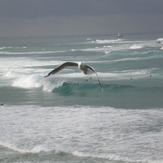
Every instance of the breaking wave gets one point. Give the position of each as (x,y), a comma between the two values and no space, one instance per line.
(136,47)
(39,151)
(113,157)
(66,86)
(71,83)
(107,41)
(12,147)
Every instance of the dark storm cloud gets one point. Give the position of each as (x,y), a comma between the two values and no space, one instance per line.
(45,8)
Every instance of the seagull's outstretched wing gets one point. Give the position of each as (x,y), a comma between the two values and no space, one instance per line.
(62,66)
(92,69)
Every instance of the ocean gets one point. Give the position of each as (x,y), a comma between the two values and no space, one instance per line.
(66,118)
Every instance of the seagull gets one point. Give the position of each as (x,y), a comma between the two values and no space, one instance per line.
(83,67)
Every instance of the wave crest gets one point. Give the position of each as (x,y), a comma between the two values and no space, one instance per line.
(114,157)
(68,86)
(35,149)
(37,81)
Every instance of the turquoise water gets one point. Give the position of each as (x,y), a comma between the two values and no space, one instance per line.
(66,117)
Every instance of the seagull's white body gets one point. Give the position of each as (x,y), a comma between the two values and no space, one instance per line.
(83,67)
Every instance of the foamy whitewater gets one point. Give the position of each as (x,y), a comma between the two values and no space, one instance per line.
(65,118)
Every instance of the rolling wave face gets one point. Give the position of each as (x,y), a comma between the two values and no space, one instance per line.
(88,89)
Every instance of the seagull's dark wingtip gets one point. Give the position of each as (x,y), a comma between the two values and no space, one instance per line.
(46,76)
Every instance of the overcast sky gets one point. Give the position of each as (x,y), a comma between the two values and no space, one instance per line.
(19,18)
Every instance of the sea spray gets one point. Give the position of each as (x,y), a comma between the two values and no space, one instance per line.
(29,81)
(37,81)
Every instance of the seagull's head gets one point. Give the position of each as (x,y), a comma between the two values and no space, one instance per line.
(79,65)
(83,67)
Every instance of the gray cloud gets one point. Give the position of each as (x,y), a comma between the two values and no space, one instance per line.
(45,8)
(72,17)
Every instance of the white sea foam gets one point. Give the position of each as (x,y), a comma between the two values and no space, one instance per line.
(102,156)
(84,131)
(38,81)
(124,44)
(160,40)
(107,41)
(107,49)
(35,149)
(121,45)
(1,48)
(136,47)
(30,81)
(31,52)
(22,66)
(137,58)
(49,85)
(113,157)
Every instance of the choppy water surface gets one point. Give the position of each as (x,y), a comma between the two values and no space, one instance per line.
(66,117)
